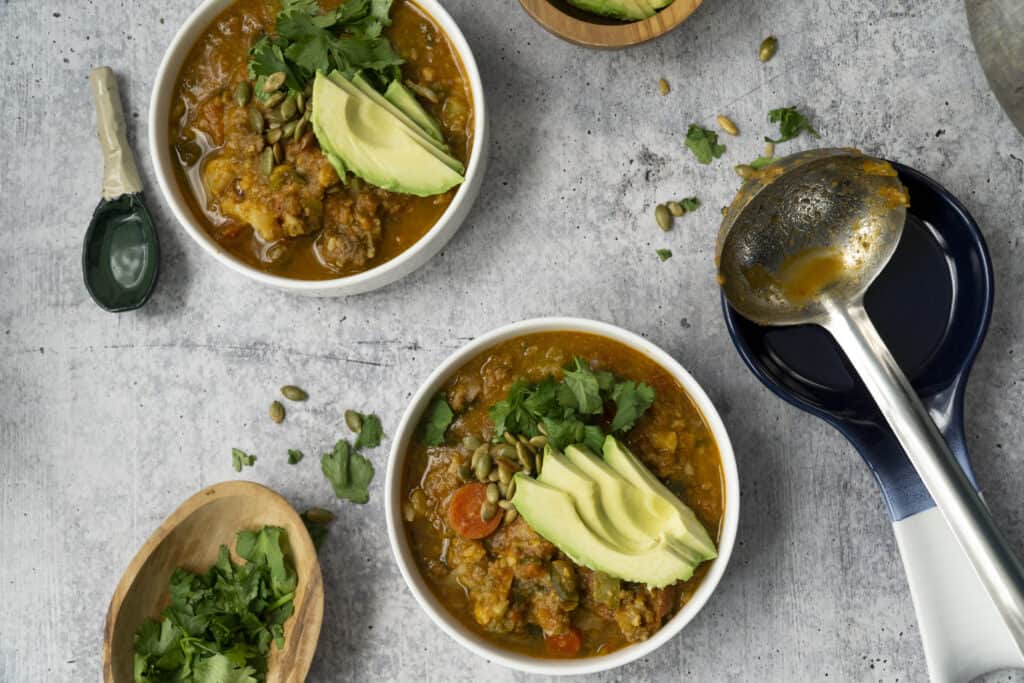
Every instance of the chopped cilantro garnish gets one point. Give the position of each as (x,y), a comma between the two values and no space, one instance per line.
(349,473)
(664,254)
(704,144)
(689,204)
(435,423)
(240,459)
(294,456)
(219,626)
(791,124)
(370,433)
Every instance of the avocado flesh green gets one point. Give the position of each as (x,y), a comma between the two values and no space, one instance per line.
(634,515)
(629,10)
(400,96)
(364,86)
(561,474)
(551,513)
(374,144)
(681,522)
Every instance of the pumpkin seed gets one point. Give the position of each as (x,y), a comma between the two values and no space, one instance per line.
(510,516)
(288,108)
(354,421)
(492,493)
(675,208)
(511,489)
(745,171)
(471,442)
(277,412)
(267,161)
(725,210)
(274,81)
(273,100)
(242,93)
(293,393)
(419,501)
(480,452)
(256,121)
(319,516)
(488,510)
(542,429)
(300,101)
(663,217)
(504,451)
(278,152)
(483,467)
(300,127)
(539,441)
(504,473)
(726,124)
(288,128)
(503,488)
(465,472)
(273,136)
(769,149)
(509,438)
(663,86)
(524,457)
(408,512)
(505,504)
(768,47)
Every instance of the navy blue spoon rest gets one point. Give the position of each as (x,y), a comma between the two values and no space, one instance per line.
(931,304)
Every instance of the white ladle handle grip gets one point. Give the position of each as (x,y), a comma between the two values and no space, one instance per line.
(965,513)
(120,175)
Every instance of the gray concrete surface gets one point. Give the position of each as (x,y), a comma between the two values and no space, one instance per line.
(108,422)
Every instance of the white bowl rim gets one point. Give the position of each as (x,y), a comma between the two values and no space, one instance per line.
(185,38)
(450,624)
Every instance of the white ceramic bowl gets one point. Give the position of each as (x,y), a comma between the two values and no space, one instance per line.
(407,563)
(386,273)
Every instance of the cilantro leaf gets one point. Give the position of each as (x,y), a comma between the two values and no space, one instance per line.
(593,438)
(264,548)
(512,414)
(349,473)
(631,400)
(690,204)
(294,456)
(371,433)
(704,144)
(219,669)
(791,124)
(240,459)
(664,254)
(584,388)
(439,416)
(761,162)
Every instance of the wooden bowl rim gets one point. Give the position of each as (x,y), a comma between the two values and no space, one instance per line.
(608,36)
(224,489)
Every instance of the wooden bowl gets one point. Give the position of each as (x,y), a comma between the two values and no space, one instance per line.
(591,30)
(191,538)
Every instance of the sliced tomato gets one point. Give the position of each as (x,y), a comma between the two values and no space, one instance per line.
(464,512)
(566,644)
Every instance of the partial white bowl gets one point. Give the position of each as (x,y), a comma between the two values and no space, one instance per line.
(386,273)
(407,564)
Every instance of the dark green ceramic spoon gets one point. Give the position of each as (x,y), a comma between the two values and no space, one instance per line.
(121,254)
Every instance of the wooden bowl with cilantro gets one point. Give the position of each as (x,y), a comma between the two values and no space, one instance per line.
(228,588)
(562,497)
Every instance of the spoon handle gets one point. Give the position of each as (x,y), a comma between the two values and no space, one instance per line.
(120,175)
(966,514)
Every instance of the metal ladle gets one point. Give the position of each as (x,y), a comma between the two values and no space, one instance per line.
(801,243)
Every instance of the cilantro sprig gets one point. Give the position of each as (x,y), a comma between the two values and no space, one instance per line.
(791,124)
(349,472)
(703,143)
(306,40)
(219,625)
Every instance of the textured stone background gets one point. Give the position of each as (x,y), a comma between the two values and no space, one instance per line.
(108,422)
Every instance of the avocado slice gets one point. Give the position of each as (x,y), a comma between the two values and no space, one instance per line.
(364,87)
(681,522)
(375,145)
(550,512)
(400,96)
(624,503)
(628,10)
(561,474)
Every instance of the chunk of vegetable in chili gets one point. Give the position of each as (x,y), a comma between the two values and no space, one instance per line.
(565,644)
(464,512)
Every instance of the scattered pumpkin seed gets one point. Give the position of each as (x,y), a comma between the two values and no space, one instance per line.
(539,441)
(483,466)
(542,429)
(509,438)
(494,475)
(288,129)
(277,412)
(488,510)
(481,451)
(675,208)
(278,152)
(492,493)
(273,136)
(267,161)
(745,171)
(293,393)
(511,489)
(274,81)
(510,516)
(300,127)
(504,473)
(300,101)
(466,472)
(419,501)
(242,93)
(726,124)
(319,516)
(663,86)
(769,149)
(768,47)
(288,108)
(354,421)
(256,121)
(524,457)
(273,101)
(663,217)
(471,442)
(408,512)
(504,451)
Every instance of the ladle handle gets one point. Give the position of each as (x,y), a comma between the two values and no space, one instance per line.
(120,175)
(965,513)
